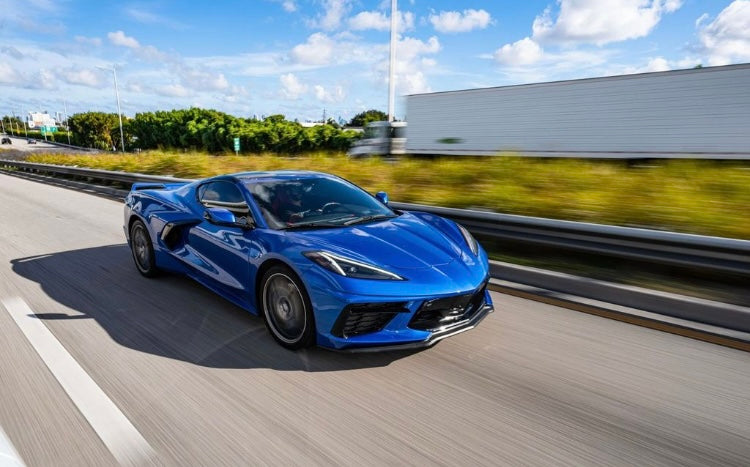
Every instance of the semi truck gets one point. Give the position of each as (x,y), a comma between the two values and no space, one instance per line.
(695,113)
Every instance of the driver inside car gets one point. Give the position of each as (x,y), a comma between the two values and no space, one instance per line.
(287,204)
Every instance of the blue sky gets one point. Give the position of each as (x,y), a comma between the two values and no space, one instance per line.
(299,57)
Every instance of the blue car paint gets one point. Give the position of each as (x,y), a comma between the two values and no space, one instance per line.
(427,250)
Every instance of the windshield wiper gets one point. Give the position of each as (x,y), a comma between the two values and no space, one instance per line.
(311,225)
(362,219)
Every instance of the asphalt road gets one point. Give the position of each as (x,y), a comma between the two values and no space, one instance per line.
(21,144)
(202,382)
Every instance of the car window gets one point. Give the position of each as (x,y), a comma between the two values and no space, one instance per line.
(221,191)
(285,203)
(224,194)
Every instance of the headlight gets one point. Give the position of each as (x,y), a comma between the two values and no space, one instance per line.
(349,268)
(469,239)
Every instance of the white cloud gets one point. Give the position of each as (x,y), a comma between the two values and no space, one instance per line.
(201,80)
(379,21)
(654,64)
(318,50)
(172,90)
(12,52)
(83,77)
(564,64)
(414,83)
(657,64)
(191,79)
(290,6)
(119,38)
(8,74)
(95,41)
(409,47)
(335,94)
(152,54)
(334,12)
(136,88)
(411,65)
(148,17)
(291,87)
(41,79)
(456,21)
(523,52)
(726,39)
(601,22)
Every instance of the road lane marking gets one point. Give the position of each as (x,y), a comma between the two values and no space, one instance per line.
(122,439)
(8,455)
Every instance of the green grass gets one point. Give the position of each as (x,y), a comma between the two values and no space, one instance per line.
(702,197)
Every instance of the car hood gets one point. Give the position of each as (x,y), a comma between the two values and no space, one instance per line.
(403,242)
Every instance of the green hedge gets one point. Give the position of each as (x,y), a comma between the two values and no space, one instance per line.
(206,130)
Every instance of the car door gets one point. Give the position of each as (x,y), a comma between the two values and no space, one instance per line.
(221,255)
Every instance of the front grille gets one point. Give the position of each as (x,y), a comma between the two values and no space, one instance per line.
(441,312)
(365,318)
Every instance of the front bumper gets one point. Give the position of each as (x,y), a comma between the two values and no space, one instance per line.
(352,323)
(436,336)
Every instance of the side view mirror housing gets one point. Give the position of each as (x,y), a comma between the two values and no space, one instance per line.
(382,196)
(224,217)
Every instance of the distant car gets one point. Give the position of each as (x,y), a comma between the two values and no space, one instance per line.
(31,141)
(321,260)
(7,141)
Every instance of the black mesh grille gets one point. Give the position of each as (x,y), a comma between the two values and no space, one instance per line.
(442,312)
(366,318)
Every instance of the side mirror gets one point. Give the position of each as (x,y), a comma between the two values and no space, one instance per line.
(221,216)
(382,196)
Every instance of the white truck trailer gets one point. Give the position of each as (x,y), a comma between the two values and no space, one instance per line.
(696,113)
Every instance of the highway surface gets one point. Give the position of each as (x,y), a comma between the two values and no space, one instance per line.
(21,144)
(101,366)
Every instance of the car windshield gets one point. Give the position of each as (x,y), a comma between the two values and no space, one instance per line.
(315,203)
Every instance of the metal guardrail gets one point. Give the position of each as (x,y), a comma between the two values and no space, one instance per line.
(95,174)
(678,249)
(686,250)
(70,146)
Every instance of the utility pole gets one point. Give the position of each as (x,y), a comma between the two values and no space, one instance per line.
(25,133)
(67,127)
(392,66)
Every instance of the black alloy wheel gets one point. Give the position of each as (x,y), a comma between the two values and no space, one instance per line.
(143,249)
(286,308)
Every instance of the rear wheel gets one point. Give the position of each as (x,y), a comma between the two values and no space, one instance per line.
(286,308)
(143,249)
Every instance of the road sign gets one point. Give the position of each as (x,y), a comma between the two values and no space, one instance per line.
(236,145)
(49,129)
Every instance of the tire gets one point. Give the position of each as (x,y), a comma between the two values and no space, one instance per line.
(286,308)
(142,249)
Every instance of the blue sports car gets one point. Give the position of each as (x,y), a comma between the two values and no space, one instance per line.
(321,260)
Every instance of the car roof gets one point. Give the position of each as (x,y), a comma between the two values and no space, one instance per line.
(274,175)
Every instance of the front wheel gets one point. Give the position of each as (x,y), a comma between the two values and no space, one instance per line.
(286,308)
(142,249)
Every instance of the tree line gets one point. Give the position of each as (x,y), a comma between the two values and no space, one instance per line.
(211,131)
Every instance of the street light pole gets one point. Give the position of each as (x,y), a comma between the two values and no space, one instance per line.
(117,95)
(392,66)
